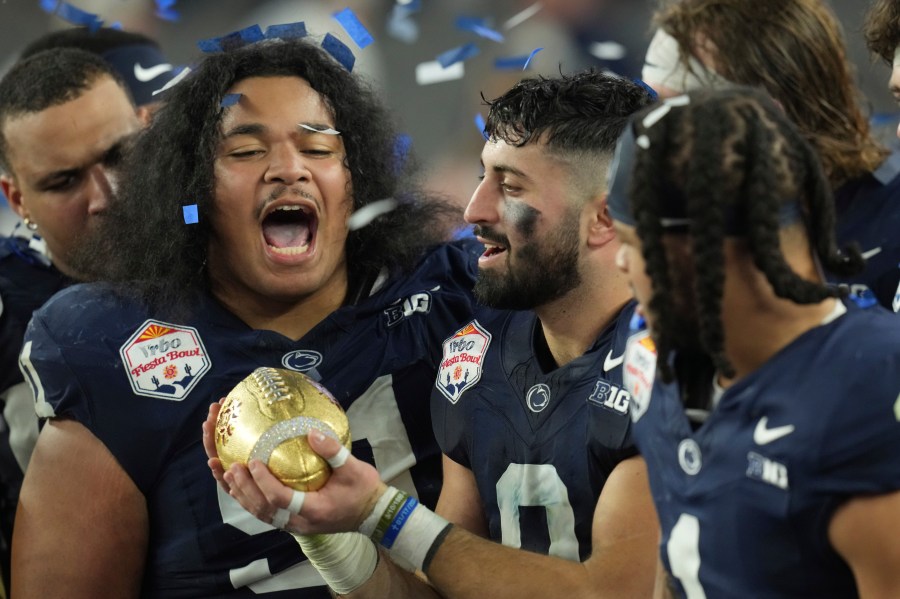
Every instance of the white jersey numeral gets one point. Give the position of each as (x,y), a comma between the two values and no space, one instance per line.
(537,485)
(683,550)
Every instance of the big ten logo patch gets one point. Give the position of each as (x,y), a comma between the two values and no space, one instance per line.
(463,360)
(417,302)
(164,360)
(610,397)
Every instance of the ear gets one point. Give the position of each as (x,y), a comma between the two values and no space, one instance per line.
(144,114)
(13,195)
(600,223)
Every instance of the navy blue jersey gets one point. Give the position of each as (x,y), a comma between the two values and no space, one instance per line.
(143,386)
(745,500)
(27,281)
(869,214)
(522,429)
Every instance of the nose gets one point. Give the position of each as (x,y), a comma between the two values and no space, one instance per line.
(101,190)
(483,207)
(286,165)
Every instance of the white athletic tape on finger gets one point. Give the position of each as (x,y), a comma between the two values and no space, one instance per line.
(296,502)
(338,460)
(281,518)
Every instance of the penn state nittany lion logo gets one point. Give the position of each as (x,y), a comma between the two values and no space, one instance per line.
(463,360)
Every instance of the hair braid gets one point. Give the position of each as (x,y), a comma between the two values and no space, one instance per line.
(707,191)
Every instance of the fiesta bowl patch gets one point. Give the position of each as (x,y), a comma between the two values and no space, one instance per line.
(463,360)
(164,360)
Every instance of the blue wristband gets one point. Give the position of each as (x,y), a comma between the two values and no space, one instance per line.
(399,520)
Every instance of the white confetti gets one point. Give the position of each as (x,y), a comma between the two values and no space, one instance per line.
(432,72)
(326,131)
(370,212)
(523,16)
(608,50)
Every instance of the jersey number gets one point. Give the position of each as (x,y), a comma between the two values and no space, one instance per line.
(537,485)
(683,550)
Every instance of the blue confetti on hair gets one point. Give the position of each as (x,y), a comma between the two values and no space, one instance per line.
(286,31)
(402,143)
(230,100)
(190,214)
(354,27)
(116,25)
(653,95)
(479,27)
(339,51)
(479,122)
(235,39)
(165,11)
(79,17)
(457,54)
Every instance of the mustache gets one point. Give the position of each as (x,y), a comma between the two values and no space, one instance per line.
(489,234)
(281,190)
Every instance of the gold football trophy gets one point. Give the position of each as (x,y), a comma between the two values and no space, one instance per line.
(267,417)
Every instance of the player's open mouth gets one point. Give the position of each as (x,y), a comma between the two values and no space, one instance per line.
(290,229)
(492,250)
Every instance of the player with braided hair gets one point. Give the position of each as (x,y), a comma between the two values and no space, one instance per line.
(771,434)
(789,48)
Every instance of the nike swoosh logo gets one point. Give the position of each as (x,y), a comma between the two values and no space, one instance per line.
(874,251)
(763,435)
(148,74)
(609,363)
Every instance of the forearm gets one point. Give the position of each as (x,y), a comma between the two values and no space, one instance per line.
(390,580)
(468,567)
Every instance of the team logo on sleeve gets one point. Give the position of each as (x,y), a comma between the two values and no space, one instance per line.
(639,372)
(164,360)
(463,360)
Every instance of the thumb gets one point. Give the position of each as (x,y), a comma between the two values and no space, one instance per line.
(322,444)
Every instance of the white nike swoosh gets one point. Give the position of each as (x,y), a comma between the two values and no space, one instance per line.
(868,254)
(609,363)
(148,74)
(763,435)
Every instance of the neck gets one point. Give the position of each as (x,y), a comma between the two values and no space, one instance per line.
(572,323)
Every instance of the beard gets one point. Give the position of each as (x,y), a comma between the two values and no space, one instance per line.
(543,271)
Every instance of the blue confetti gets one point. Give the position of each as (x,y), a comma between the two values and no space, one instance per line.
(230,100)
(864,299)
(339,51)
(401,151)
(530,56)
(479,27)
(479,122)
(235,39)
(400,26)
(165,11)
(511,63)
(354,28)
(76,16)
(653,95)
(190,214)
(49,6)
(458,54)
(637,323)
(116,25)
(286,31)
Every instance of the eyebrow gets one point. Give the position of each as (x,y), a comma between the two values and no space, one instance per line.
(118,145)
(259,129)
(505,168)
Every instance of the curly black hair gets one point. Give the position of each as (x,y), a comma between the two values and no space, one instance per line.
(583,112)
(736,161)
(146,241)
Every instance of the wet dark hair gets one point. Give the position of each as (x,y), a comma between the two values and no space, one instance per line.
(172,165)
(47,79)
(882,29)
(584,112)
(733,156)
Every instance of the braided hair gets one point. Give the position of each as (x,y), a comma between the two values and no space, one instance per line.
(742,170)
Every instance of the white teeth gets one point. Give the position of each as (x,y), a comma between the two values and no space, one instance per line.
(289,208)
(292,251)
